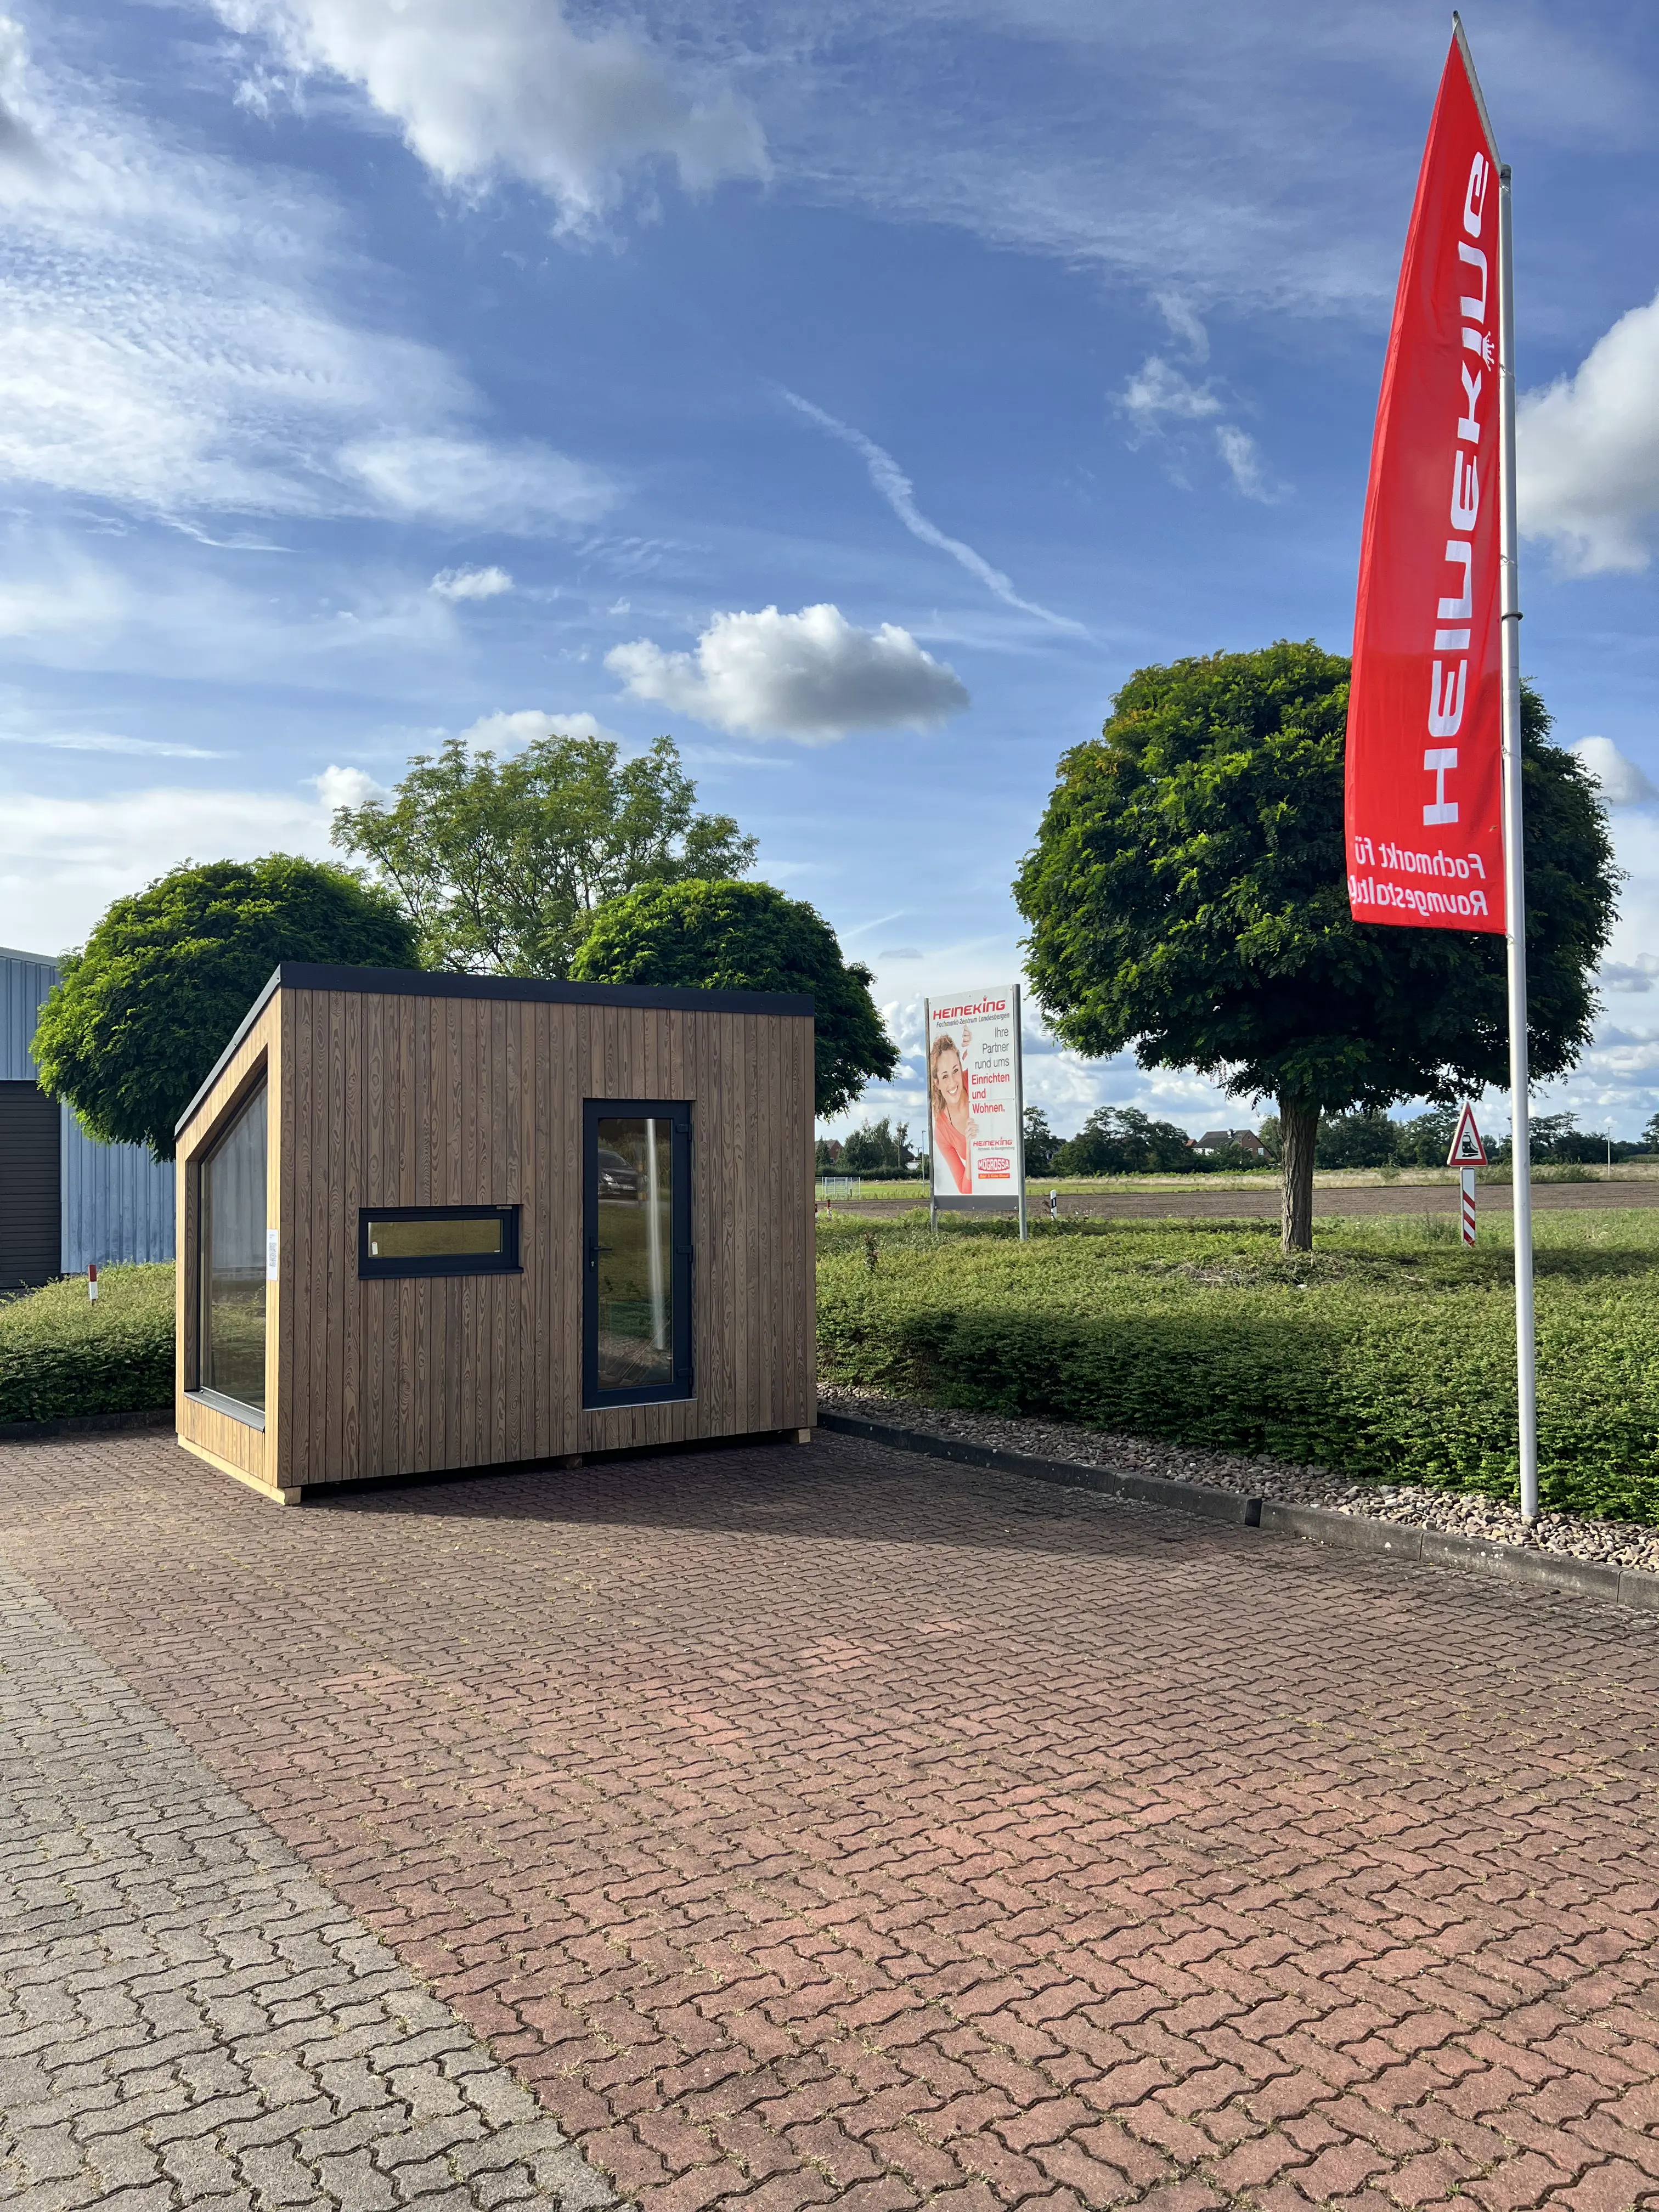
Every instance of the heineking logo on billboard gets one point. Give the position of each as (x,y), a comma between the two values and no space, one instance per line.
(974,1096)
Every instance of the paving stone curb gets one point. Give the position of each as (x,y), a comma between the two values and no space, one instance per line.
(75,1424)
(1316,1524)
(1070,1474)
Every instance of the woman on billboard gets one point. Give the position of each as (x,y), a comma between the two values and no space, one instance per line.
(948,1086)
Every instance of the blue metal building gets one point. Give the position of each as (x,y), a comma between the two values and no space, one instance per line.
(65,1200)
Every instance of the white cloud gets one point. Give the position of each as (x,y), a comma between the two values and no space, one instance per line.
(1160,401)
(63,860)
(168,341)
(461,480)
(1587,453)
(1185,326)
(489,88)
(471,583)
(895,488)
(1638,974)
(812,676)
(1156,393)
(505,732)
(348,787)
(50,592)
(1623,783)
(1243,458)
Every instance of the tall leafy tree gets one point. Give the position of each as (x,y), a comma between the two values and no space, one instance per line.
(1040,1142)
(748,936)
(501,863)
(140,1014)
(1187,895)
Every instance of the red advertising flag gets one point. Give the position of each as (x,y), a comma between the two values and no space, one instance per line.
(1424,757)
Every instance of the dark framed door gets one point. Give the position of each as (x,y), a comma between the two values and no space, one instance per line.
(636,1250)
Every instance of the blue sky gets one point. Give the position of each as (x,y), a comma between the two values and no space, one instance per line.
(858,394)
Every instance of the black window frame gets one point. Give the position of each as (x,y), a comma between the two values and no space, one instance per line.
(372,1269)
(677,1112)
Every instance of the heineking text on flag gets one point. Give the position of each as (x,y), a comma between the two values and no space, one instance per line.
(1425,767)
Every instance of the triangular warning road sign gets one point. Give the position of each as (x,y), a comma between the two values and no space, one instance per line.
(1467,1150)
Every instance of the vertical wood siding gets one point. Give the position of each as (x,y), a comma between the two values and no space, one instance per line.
(390,1100)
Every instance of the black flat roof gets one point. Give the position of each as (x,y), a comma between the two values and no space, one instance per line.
(444,983)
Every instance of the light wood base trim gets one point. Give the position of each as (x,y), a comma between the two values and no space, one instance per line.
(241,1474)
(803,1436)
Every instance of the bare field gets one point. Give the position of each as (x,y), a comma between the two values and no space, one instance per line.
(1256,1197)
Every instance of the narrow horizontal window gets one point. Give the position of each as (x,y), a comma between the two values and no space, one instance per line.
(438,1240)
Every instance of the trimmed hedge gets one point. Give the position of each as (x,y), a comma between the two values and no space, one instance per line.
(62,1356)
(1389,1352)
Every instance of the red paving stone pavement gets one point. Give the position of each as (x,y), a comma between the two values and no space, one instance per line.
(832,1825)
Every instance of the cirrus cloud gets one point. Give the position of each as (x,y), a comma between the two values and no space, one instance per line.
(812,676)
(174,338)
(463,480)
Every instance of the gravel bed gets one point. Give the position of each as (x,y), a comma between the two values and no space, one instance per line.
(1461,1513)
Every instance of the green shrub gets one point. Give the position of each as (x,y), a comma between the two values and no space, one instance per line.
(1388,1352)
(61,1355)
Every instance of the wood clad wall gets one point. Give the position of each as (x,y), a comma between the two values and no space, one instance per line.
(220,1436)
(388,1100)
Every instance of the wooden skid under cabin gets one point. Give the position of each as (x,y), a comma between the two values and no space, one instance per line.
(432,1222)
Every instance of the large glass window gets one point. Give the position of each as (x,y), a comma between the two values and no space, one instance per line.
(638,1303)
(231,1363)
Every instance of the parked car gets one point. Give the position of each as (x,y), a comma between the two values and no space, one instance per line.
(616,1178)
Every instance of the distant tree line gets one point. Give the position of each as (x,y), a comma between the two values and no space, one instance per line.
(1370,1140)
(878,1150)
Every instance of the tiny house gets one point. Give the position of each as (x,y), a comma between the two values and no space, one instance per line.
(432,1222)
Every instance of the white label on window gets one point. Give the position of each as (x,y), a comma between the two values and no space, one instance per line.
(271,1256)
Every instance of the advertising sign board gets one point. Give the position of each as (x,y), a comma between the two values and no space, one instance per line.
(974,1097)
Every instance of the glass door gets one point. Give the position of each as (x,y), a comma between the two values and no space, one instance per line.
(637,1307)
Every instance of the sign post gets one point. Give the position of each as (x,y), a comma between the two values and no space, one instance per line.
(1435,837)
(1466,1154)
(975,1102)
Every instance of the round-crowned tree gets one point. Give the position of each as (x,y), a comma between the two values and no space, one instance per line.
(747,937)
(1187,897)
(140,1014)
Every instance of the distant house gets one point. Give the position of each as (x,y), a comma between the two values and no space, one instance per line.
(1229,1141)
(64,1199)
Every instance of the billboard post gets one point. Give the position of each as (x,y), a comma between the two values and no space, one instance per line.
(976,1123)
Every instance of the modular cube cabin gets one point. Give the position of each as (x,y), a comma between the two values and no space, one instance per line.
(432,1222)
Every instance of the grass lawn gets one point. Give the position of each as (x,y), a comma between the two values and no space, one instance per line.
(1389,1352)
(61,1354)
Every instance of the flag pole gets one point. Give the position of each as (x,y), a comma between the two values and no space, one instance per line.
(1514,885)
